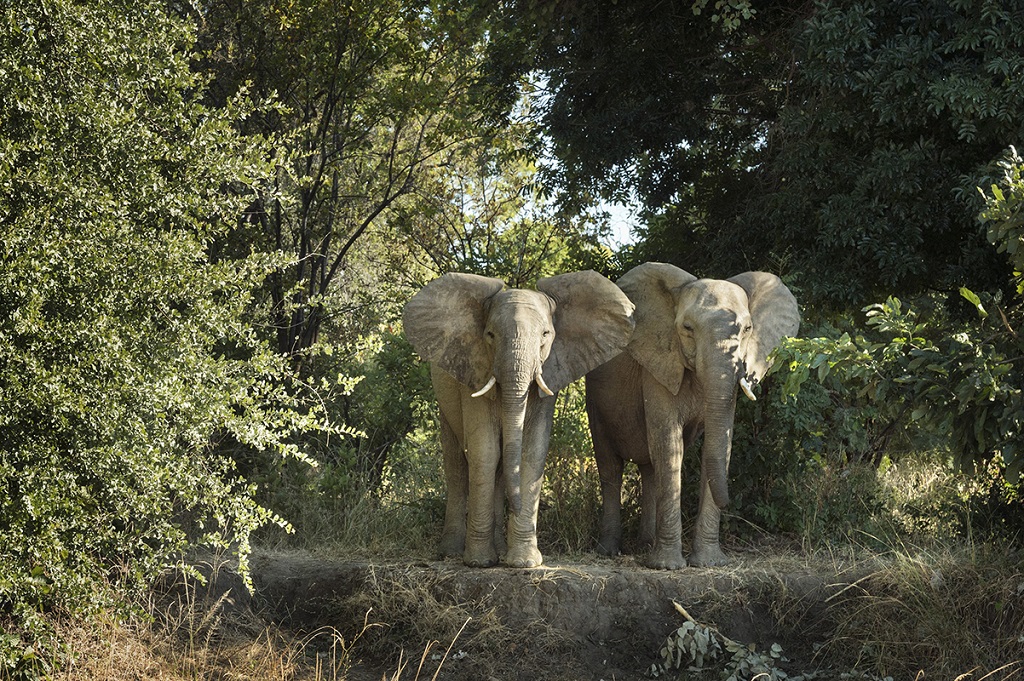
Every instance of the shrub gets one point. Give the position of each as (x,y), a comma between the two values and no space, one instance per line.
(127,353)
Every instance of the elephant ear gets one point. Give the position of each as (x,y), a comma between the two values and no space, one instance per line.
(593,322)
(445,321)
(654,289)
(774,315)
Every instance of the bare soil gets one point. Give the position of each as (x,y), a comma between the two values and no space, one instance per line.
(597,619)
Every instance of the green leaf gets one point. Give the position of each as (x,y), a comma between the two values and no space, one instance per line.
(973,298)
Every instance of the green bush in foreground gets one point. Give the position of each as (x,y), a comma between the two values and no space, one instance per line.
(126,351)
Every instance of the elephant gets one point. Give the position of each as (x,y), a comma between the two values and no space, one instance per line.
(695,341)
(488,347)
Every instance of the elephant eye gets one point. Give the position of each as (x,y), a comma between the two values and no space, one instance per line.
(547,333)
(490,335)
(687,326)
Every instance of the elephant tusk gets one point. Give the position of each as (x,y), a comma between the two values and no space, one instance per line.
(745,384)
(483,390)
(542,385)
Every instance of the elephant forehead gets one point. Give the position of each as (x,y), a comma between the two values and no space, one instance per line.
(715,294)
(521,306)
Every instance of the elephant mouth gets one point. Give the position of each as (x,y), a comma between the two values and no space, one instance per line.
(542,387)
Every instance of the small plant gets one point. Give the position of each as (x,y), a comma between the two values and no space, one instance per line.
(693,646)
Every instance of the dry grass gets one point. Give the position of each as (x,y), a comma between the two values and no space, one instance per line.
(940,613)
(185,636)
(924,605)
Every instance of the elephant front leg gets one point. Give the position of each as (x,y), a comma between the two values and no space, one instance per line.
(522,527)
(706,549)
(665,442)
(667,553)
(456,474)
(483,453)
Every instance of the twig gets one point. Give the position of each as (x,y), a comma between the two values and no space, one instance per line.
(729,643)
(450,645)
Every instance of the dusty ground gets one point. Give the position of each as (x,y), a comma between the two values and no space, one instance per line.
(599,619)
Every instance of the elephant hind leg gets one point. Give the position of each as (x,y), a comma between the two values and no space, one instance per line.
(648,507)
(610,468)
(456,473)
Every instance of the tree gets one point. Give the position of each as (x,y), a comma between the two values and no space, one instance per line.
(840,141)
(486,212)
(127,352)
(897,112)
(374,94)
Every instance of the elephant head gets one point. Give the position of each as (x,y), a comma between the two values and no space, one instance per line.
(483,336)
(721,330)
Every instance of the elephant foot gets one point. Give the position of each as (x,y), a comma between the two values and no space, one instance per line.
(452,545)
(524,557)
(608,547)
(475,562)
(480,557)
(662,558)
(708,556)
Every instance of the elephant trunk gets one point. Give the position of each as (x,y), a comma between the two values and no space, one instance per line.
(513,417)
(516,374)
(718,425)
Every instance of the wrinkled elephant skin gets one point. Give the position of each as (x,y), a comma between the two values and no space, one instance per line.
(498,358)
(696,341)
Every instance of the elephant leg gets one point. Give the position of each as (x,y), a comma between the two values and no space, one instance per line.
(522,526)
(482,428)
(499,511)
(706,550)
(648,506)
(456,475)
(665,442)
(609,467)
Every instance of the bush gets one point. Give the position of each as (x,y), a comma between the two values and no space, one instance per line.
(571,497)
(127,354)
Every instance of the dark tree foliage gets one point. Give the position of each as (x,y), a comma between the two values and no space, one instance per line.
(898,113)
(646,96)
(838,140)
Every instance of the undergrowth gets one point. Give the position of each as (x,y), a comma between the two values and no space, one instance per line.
(938,590)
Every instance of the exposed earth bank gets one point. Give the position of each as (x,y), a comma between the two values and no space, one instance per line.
(605,619)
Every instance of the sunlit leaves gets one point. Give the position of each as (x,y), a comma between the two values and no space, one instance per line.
(1004,213)
(127,352)
(958,380)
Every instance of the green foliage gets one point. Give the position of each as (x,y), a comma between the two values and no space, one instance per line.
(377,101)
(126,353)
(1004,212)
(840,142)
(808,461)
(838,406)
(646,96)
(570,499)
(957,380)
(890,124)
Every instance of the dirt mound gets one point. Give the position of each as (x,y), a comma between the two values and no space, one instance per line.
(566,620)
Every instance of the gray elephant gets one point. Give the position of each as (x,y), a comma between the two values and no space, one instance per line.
(695,341)
(498,357)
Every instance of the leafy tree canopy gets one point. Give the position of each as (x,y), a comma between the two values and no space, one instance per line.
(838,140)
(127,351)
